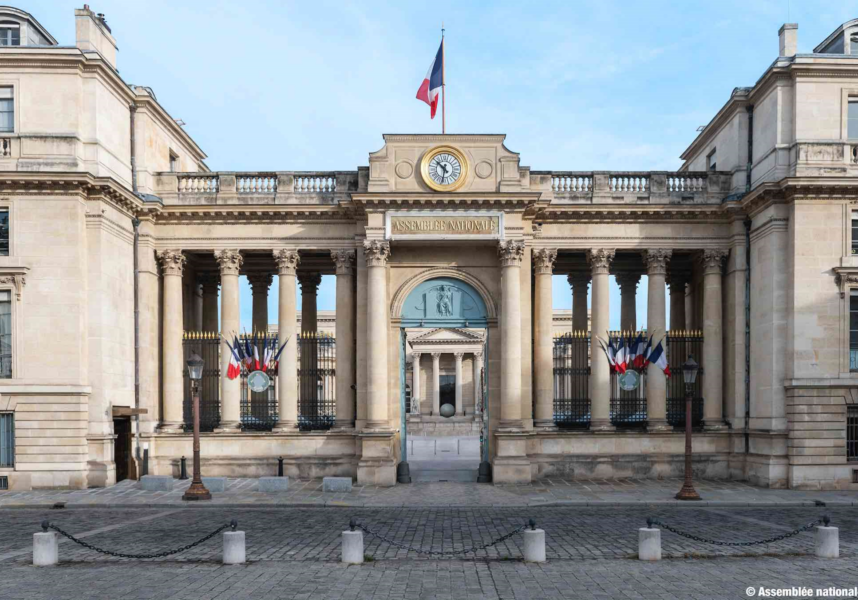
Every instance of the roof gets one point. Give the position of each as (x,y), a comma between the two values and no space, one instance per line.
(17,12)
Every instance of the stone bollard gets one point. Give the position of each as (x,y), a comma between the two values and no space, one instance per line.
(649,542)
(827,540)
(534,543)
(234,552)
(46,550)
(353,545)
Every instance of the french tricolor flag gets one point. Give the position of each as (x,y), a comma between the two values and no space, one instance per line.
(431,86)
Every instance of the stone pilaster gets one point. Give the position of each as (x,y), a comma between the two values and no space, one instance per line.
(377,253)
(600,260)
(344,261)
(259,284)
(656,261)
(628,283)
(287,318)
(511,253)
(713,418)
(543,351)
(230,262)
(172,266)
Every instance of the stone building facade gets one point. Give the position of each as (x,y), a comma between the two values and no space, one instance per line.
(119,240)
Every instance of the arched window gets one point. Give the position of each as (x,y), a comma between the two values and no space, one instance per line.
(10,33)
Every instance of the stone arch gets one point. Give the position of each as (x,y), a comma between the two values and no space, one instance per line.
(469,281)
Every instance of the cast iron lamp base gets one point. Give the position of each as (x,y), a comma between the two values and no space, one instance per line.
(197,491)
(687,493)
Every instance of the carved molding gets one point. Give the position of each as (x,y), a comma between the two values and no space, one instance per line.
(656,260)
(309,281)
(344,261)
(230,261)
(436,357)
(600,259)
(628,282)
(845,278)
(376,252)
(260,282)
(579,279)
(712,260)
(511,252)
(287,261)
(172,261)
(543,260)
(15,277)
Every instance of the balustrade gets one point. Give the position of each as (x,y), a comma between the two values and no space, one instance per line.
(572,182)
(198,184)
(629,182)
(315,183)
(686,182)
(261,183)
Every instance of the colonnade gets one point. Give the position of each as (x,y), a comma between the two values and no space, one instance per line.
(416,391)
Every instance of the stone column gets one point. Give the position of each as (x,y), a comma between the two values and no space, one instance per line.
(415,383)
(478,400)
(230,262)
(309,283)
(579,282)
(656,383)
(628,283)
(712,339)
(210,283)
(543,351)
(377,253)
(287,323)
(259,284)
(172,264)
(309,291)
(511,253)
(676,282)
(436,383)
(600,370)
(198,305)
(460,408)
(345,260)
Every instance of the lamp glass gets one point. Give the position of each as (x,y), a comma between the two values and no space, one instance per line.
(689,370)
(195,366)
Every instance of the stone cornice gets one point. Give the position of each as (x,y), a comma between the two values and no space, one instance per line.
(800,189)
(207,214)
(491,138)
(453,200)
(84,185)
(590,213)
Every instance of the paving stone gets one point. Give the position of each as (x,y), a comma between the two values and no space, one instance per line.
(337,484)
(156,483)
(273,484)
(215,484)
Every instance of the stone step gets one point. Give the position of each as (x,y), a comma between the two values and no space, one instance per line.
(436,475)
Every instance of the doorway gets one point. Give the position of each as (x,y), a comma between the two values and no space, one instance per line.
(122,447)
(447,391)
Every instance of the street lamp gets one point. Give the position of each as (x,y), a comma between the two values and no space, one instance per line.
(689,375)
(197,491)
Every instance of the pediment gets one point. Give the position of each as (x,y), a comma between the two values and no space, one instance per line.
(447,335)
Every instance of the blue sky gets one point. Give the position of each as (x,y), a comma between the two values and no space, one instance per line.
(575,85)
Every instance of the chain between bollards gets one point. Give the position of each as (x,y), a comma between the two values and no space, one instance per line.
(825,519)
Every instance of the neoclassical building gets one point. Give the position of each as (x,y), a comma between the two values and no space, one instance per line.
(121,254)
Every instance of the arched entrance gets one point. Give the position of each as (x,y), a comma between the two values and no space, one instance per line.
(444,337)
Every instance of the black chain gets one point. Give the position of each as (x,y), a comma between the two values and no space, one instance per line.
(777,538)
(494,542)
(232,525)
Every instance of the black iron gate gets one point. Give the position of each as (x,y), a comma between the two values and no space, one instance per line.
(259,409)
(572,380)
(681,345)
(316,381)
(207,345)
(628,407)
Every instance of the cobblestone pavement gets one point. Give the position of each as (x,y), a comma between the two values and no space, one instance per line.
(541,493)
(294,553)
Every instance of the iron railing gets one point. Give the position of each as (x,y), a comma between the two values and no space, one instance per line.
(207,345)
(628,407)
(680,345)
(258,409)
(316,381)
(572,380)
(852,432)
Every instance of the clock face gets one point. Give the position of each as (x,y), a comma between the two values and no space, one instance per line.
(445,169)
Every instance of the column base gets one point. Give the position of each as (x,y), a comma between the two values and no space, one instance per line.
(714,426)
(228,427)
(171,428)
(544,424)
(658,425)
(602,426)
(285,427)
(512,425)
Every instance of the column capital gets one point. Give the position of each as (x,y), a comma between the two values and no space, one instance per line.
(600,259)
(459,356)
(287,261)
(309,281)
(436,356)
(656,260)
(712,260)
(628,281)
(416,355)
(677,280)
(260,282)
(172,261)
(230,261)
(511,252)
(578,279)
(344,261)
(209,281)
(478,355)
(376,252)
(543,260)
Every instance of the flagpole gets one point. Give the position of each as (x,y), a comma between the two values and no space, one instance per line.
(443,83)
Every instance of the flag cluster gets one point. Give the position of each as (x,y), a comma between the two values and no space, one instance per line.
(244,354)
(635,354)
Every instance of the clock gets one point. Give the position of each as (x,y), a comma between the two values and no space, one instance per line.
(444,168)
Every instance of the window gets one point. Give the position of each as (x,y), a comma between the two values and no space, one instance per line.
(710,161)
(852,432)
(852,119)
(7,440)
(7,110)
(855,232)
(5,334)
(853,45)
(10,34)
(4,232)
(174,163)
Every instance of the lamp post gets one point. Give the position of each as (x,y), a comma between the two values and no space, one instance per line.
(689,375)
(197,491)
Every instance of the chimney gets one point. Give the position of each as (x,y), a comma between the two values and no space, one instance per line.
(788,39)
(93,34)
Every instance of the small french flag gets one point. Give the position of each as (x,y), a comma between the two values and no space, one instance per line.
(431,86)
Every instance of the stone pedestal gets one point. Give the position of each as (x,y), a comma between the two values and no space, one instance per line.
(510,464)
(377,465)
